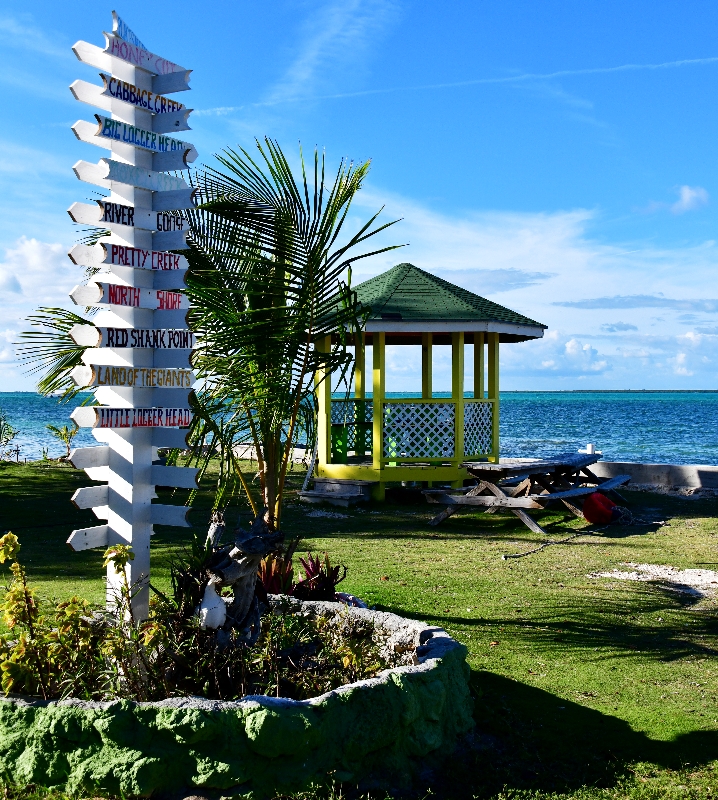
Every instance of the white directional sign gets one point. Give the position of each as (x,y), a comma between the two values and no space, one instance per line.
(122,29)
(123,256)
(137,377)
(169,115)
(137,359)
(92,294)
(103,417)
(158,338)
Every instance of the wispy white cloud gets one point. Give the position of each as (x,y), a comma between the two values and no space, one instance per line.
(690,198)
(23,36)
(336,35)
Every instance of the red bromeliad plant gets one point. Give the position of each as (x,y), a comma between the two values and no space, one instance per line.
(321,579)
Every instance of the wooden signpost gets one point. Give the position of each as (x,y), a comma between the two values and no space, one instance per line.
(137,356)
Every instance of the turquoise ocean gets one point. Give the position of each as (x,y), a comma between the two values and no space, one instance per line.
(658,427)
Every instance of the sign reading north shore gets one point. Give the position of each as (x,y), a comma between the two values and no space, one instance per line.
(120,131)
(142,377)
(139,57)
(141,98)
(142,259)
(115,294)
(133,297)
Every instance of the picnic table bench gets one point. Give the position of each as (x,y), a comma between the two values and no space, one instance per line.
(518,484)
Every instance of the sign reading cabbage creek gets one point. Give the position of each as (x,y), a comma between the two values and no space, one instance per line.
(136,357)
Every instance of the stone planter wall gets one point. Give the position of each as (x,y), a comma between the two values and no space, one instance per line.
(376,731)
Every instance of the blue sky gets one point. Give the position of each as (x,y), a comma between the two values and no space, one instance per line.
(557,157)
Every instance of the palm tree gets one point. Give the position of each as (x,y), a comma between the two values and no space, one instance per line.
(266,281)
(65,434)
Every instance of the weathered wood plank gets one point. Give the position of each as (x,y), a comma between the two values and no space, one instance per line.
(483,500)
(90,496)
(170,515)
(179,477)
(88,538)
(452,509)
(582,491)
(89,457)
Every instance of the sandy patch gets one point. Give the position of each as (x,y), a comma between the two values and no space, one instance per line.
(327,514)
(696,582)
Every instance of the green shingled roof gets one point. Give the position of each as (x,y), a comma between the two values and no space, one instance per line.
(416,295)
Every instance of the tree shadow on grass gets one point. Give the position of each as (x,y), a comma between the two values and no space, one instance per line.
(529,739)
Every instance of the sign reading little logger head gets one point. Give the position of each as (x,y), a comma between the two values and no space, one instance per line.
(104,417)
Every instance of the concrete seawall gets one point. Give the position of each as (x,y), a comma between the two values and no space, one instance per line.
(677,476)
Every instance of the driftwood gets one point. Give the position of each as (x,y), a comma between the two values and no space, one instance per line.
(235,566)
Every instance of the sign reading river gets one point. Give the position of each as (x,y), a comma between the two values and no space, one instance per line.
(136,357)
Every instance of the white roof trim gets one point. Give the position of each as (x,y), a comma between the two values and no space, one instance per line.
(399,326)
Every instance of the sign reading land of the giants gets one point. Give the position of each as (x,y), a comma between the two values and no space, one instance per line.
(139,57)
(141,98)
(142,377)
(120,131)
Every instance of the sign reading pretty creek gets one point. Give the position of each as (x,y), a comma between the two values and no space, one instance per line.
(95,255)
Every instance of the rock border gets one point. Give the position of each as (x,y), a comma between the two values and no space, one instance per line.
(375,732)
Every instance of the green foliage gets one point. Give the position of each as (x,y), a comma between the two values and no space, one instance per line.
(266,281)
(7,434)
(65,434)
(66,648)
(52,351)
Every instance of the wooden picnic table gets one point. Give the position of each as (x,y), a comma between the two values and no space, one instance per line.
(518,484)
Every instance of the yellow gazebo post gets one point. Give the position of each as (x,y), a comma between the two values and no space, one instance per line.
(494,393)
(323,383)
(359,394)
(457,395)
(378,383)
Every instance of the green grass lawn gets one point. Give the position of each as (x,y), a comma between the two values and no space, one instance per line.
(585,688)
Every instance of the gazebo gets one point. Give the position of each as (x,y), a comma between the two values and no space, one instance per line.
(382,440)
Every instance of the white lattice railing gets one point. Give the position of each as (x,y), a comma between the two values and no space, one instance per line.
(478,427)
(419,430)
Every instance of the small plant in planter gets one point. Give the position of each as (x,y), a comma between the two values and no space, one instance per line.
(69,649)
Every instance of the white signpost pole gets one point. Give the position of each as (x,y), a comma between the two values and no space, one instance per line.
(139,349)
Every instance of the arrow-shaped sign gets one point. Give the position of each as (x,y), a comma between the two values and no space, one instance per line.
(134,377)
(92,294)
(103,417)
(162,82)
(124,256)
(169,115)
(107,170)
(156,338)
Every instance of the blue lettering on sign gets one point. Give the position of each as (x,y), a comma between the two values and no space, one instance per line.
(121,28)
(130,134)
(141,98)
